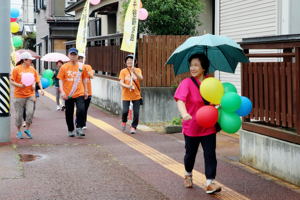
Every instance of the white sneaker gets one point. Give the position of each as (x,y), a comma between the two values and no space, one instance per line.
(84,128)
(58,108)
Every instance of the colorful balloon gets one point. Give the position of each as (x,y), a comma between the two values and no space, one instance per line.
(50,82)
(48,73)
(45,82)
(95,2)
(141,4)
(230,122)
(143,14)
(27,79)
(231,102)
(228,87)
(212,90)
(245,108)
(14,27)
(17,41)
(13,19)
(14,13)
(207,116)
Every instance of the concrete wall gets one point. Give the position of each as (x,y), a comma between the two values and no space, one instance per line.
(158,102)
(276,157)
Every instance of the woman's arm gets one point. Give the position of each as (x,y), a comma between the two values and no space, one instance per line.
(41,88)
(20,85)
(62,92)
(125,85)
(182,109)
(139,76)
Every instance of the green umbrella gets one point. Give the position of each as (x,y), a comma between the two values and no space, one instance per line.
(223,53)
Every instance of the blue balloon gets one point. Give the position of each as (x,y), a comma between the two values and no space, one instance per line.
(14,13)
(246,107)
(45,82)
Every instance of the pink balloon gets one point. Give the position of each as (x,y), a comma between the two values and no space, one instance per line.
(13,19)
(143,14)
(95,2)
(27,79)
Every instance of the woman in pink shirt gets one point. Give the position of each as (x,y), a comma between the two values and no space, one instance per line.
(189,100)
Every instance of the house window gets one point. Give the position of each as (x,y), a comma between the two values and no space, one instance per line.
(37,4)
(44,4)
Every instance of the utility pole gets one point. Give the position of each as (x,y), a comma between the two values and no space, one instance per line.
(5,43)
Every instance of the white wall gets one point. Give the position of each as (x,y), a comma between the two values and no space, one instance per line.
(239,19)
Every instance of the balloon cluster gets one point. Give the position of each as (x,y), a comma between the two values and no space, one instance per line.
(47,78)
(14,27)
(232,108)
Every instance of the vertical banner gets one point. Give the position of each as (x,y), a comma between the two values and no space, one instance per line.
(4,95)
(131,27)
(82,32)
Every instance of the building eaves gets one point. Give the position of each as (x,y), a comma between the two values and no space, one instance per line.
(73,6)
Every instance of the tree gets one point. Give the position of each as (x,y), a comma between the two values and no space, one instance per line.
(171,17)
(30,41)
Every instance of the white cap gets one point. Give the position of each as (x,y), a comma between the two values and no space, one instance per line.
(26,55)
(81,55)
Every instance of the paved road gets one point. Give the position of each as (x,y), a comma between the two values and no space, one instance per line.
(109,164)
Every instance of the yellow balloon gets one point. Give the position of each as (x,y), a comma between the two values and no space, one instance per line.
(14,27)
(212,90)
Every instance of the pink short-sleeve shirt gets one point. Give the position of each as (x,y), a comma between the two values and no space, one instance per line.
(188,92)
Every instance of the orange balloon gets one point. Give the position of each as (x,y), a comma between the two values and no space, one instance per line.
(141,4)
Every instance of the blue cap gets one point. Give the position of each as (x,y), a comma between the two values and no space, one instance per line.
(73,50)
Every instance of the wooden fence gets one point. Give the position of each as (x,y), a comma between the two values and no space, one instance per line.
(273,87)
(104,54)
(153,53)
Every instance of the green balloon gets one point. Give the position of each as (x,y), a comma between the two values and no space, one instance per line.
(17,41)
(48,74)
(231,102)
(50,81)
(228,87)
(219,114)
(230,122)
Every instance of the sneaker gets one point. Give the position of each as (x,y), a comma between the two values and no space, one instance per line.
(84,128)
(188,181)
(58,108)
(19,135)
(24,124)
(71,133)
(28,133)
(132,130)
(213,188)
(79,132)
(123,125)
(63,108)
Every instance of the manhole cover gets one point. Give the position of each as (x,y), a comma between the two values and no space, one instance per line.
(28,157)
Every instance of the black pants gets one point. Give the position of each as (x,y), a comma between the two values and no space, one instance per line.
(70,103)
(209,150)
(136,112)
(86,106)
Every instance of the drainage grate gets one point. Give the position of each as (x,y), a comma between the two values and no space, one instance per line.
(28,157)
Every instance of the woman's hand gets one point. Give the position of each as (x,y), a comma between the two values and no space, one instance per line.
(20,85)
(186,117)
(64,96)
